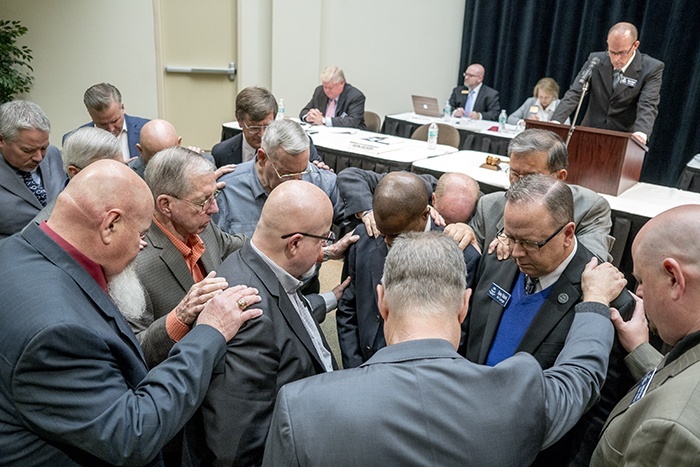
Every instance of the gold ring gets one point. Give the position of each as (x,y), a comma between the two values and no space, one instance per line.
(242,303)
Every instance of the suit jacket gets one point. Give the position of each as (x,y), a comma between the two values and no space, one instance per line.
(230,151)
(419,403)
(360,326)
(662,427)
(487,101)
(591,215)
(133,132)
(545,338)
(166,279)
(231,426)
(74,386)
(350,111)
(19,205)
(626,108)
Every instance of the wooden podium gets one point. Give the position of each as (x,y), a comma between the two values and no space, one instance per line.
(605,161)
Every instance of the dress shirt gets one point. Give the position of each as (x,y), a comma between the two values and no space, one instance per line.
(247,151)
(549,279)
(124,142)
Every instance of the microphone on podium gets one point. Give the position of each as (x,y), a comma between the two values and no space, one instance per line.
(595,61)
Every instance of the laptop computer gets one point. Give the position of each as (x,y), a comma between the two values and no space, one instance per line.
(427,106)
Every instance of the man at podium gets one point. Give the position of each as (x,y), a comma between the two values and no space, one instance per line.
(624,87)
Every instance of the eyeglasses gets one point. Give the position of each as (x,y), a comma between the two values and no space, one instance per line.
(518,176)
(327,240)
(527,245)
(469,75)
(255,129)
(619,54)
(204,205)
(291,175)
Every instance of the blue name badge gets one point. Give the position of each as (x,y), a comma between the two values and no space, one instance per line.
(643,386)
(498,294)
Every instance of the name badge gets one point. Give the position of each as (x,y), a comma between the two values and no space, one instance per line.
(643,386)
(629,82)
(498,294)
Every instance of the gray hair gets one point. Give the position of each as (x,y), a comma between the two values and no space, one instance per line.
(541,141)
(87,145)
(100,96)
(334,74)
(287,135)
(21,115)
(255,102)
(171,170)
(424,272)
(554,194)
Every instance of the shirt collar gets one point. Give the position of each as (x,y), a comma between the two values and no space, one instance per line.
(257,187)
(289,283)
(552,277)
(624,68)
(247,151)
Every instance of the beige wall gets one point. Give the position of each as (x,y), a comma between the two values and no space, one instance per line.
(78,43)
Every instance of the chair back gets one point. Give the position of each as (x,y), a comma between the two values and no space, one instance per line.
(373,121)
(447,134)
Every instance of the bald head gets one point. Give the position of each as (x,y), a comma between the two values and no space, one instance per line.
(294,207)
(102,212)
(628,30)
(670,234)
(455,197)
(155,136)
(400,204)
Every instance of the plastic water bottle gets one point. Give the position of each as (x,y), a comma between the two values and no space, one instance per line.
(280,110)
(502,120)
(432,135)
(447,111)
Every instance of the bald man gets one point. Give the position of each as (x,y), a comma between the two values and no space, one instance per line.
(284,345)
(455,197)
(624,88)
(75,386)
(474,99)
(657,422)
(400,205)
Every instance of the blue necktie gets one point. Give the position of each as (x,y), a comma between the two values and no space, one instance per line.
(616,78)
(33,186)
(469,106)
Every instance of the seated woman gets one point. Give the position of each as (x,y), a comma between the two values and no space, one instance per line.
(539,107)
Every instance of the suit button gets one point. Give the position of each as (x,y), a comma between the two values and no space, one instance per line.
(377,318)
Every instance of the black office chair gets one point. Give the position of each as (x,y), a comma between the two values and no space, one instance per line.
(690,177)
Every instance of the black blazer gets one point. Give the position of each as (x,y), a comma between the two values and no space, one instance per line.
(487,101)
(350,111)
(230,151)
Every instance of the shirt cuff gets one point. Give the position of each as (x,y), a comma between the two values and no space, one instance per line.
(176,329)
(329,121)
(331,302)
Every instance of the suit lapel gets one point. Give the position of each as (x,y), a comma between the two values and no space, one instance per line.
(632,72)
(605,70)
(12,183)
(171,257)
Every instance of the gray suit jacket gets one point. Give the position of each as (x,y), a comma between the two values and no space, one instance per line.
(231,426)
(591,215)
(420,403)
(662,427)
(75,389)
(166,280)
(350,111)
(19,205)
(626,108)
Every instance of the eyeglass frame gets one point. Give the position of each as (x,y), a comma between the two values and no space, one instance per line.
(329,240)
(308,170)
(619,54)
(527,245)
(520,176)
(204,205)
(255,129)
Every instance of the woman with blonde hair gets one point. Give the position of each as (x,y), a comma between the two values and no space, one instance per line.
(545,98)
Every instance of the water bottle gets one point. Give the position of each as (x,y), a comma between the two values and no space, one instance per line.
(432,135)
(447,111)
(502,120)
(280,110)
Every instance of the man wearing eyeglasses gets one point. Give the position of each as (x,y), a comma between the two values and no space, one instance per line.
(256,107)
(283,156)
(286,344)
(624,88)
(526,303)
(474,99)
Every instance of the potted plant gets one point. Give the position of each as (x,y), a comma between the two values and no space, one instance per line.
(15,77)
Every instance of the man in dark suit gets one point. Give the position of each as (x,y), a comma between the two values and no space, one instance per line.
(417,402)
(400,205)
(255,108)
(284,345)
(335,102)
(104,104)
(527,303)
(75,385)
(657,422)
(624,88)
(31,171)
(474,99)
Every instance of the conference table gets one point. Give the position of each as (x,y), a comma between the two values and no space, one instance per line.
(478,135)
(348,147)
(630,210)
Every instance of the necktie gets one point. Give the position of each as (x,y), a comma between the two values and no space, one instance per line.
(616,78)
(530,284)
(330,110)
(33,186)
(304,310)
(469,105)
